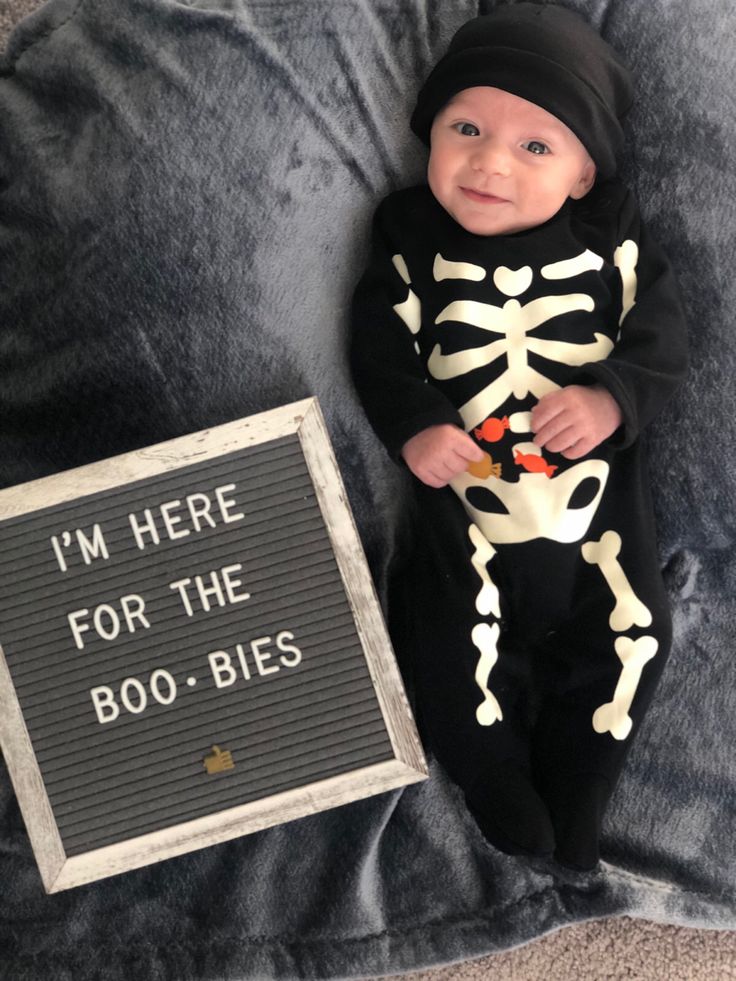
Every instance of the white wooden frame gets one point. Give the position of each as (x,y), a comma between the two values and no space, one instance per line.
(58,871)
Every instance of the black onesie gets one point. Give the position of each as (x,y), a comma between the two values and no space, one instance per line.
(536,614)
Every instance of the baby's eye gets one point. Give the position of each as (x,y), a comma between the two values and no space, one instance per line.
(536,146)
(467,129)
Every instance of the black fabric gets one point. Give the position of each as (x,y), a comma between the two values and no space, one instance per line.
(491,324)
(642,371)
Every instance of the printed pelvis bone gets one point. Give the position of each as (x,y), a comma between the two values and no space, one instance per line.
(628,611)
(535,506)
(614,716)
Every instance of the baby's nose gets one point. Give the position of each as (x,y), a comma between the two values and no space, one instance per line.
(491,157)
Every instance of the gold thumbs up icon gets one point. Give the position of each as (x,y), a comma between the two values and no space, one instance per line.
(218,761)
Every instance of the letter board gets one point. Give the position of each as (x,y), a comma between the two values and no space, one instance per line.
(191,648)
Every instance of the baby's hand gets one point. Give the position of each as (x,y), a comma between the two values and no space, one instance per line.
(438,454)
(576,419)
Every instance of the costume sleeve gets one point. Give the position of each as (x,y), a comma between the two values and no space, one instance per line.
(649,359)
(387,370)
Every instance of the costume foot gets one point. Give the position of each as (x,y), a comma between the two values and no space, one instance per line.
(577,819)
(511,814)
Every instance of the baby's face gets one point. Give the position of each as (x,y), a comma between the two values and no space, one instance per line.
(499,164)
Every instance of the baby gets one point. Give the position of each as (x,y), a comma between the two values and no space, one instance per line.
(514,333)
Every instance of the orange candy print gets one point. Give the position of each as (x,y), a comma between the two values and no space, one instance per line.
(533,463)
(484,468)
(492,429)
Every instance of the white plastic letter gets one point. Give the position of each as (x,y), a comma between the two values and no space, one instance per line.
(104,609)
(172,519)
(296,658)
(181,585)
(148,526)
(154,684)
(78,628)
(262,656)
(140,691)
(103,699)
(222,669)
(231,584)
(199,507)
(133,607)
(227,503)
(92,549)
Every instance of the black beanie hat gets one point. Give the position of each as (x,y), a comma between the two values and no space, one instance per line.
(547,55)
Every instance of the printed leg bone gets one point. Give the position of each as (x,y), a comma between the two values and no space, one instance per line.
(629,611)
(614,716)
(485,638)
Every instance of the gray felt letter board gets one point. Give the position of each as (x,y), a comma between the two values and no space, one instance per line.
(191,648)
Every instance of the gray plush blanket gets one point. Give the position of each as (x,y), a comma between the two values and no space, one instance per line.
(185,190)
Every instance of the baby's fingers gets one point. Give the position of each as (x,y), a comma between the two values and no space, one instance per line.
(465,447)
(546,409)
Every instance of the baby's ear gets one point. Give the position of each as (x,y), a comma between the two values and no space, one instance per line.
(584,182)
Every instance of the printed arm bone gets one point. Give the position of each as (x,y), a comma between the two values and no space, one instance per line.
(625,258)
(401,267)
(410,311)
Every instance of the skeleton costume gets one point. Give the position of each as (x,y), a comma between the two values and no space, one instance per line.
(533,603)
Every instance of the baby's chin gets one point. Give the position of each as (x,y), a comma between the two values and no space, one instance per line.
(496,219)
(489,226)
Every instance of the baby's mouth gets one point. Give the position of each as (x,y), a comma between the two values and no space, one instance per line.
(482,197)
